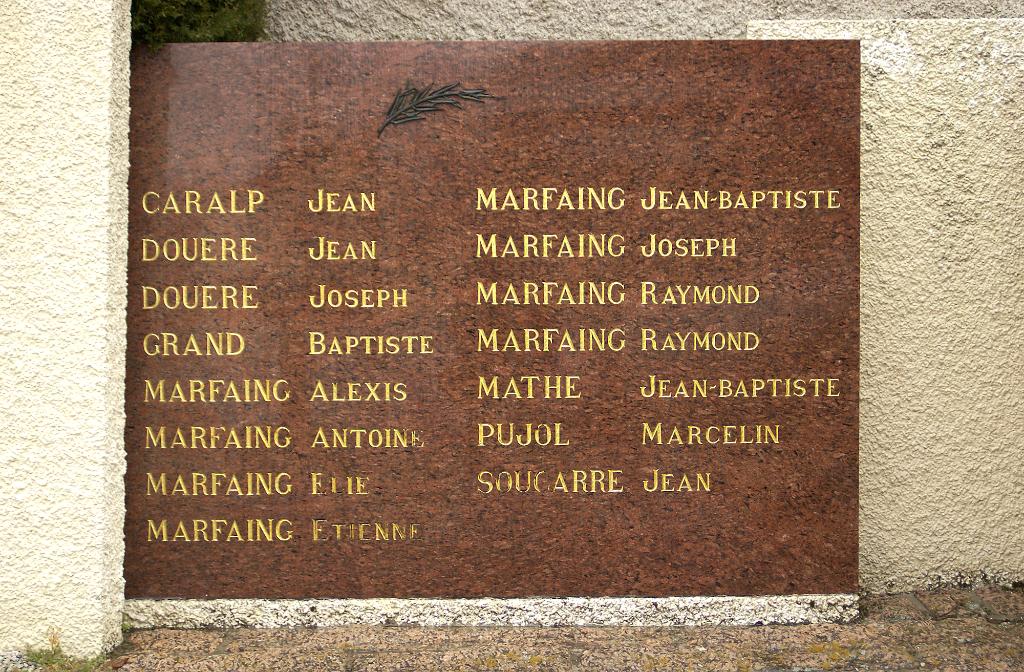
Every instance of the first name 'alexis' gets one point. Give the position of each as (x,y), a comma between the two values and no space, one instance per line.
(653,198)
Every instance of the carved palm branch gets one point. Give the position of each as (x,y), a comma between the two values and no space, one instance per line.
(410,104)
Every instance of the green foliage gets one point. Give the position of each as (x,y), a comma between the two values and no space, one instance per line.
(54,660)
(156,22)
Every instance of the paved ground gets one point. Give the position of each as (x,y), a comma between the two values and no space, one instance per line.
(958,631)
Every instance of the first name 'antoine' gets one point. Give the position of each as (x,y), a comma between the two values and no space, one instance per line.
(542,198)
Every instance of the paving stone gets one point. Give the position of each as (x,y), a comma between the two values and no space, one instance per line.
(13,661)
(944,603)
(894,636)
(1001,604)
(169,641)
(894,608)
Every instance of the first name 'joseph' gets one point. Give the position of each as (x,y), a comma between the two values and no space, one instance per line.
(653,198)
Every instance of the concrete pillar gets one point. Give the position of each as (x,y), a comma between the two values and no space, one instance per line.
(63,241)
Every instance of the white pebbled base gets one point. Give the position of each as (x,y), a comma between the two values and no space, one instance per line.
(532,611)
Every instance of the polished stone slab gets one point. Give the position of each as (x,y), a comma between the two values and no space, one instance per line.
(242,140)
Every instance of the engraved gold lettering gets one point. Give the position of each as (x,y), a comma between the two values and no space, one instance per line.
(335,201)
(382,391)
(220,529)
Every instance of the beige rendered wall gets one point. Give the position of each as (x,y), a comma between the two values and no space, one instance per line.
(942,297)
(942,363)
(324,20)
(63,226)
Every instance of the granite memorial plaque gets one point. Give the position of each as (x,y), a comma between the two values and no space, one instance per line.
(493,319)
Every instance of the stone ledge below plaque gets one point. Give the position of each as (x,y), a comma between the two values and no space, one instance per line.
(532,611)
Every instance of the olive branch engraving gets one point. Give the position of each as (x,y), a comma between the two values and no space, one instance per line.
(410,103)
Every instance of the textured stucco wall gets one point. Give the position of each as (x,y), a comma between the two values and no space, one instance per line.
(325,20)
(942,297)
(942,475)
(63,228)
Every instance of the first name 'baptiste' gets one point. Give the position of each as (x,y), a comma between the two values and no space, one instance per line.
(542,198)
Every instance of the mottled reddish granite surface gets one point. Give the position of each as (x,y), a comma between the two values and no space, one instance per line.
(288,119)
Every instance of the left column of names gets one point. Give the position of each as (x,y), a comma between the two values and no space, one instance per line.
(199,253)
